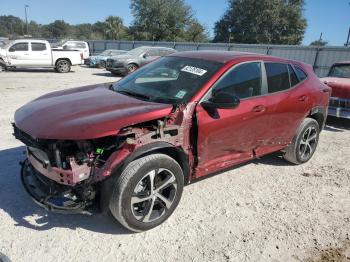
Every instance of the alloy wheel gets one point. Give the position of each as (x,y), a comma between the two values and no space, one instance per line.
(153,195)
(308,143)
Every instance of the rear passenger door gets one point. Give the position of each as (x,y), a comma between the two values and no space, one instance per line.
(40,54)
(287,103)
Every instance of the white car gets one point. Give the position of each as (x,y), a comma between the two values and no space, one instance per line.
(74,45)
(25,53)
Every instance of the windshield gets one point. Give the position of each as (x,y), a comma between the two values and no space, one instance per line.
(6,44)
(170,80)
(137,51)
(342,71)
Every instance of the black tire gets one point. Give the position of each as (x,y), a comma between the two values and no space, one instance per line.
(131,68)
(302,149)
(136,175)
(102,64)
(63,66)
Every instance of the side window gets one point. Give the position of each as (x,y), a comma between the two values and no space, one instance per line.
(153,52)
(38,46)
(19,47)
(300,73)
(292,76)
(277,77)
(165,52)
(243,81)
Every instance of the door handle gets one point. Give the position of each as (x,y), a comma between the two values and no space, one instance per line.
(326,90)
(26,54)
(259,108)
(302,98)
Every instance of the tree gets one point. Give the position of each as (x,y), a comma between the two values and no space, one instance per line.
(57,29)
(262,21)
(83,31)
(160,19)
(195,32)
(11,26)
(99,30)
(114,27)
(319,43)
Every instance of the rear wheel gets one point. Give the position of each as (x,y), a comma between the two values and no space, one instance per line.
(304,142)
(147,192)
(63,66)
(131,68)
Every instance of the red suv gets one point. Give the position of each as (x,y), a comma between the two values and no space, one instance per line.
(131,146)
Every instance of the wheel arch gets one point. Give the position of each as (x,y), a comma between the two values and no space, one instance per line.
(319,113)
(157,147)
(60,59)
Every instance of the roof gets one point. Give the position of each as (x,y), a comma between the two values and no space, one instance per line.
(226,56)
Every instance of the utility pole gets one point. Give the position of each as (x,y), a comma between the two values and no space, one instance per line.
(25,11)
(347,41)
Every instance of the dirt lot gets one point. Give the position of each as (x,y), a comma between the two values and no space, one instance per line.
(266,210)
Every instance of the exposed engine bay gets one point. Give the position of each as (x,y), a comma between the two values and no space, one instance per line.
(66,175)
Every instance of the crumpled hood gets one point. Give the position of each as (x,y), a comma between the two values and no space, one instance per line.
(340,86)
(84,113)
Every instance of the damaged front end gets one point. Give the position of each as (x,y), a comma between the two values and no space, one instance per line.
(61,175)
(66,176)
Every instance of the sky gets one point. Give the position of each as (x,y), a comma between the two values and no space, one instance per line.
(330,17)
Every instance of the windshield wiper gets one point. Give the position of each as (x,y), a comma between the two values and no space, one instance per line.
(133,94)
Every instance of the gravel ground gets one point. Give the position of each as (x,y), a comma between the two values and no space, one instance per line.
(265,210)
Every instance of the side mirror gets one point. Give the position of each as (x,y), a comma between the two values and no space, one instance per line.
(11,49)
(222,100)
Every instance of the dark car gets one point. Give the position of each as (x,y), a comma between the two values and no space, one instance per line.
(339,80)
(131,146)
(135,58)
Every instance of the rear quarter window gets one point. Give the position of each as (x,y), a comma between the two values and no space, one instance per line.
(277,77)
(292,76)
(300,73)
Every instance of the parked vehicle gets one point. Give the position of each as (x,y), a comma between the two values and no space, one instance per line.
(131,146)
(74,45)
(33,53)
(132,60)
(100,60)
(339,80)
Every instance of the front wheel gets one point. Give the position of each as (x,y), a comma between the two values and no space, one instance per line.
(102,64)
(131,68)
(63,66)
(304,142)
(147,192)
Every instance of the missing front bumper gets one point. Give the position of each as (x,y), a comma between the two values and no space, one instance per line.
(51,195)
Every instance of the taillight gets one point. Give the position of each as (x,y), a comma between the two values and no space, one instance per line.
(81,56)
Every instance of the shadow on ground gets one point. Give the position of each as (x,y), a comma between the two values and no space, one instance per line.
(17,204)
(107,74)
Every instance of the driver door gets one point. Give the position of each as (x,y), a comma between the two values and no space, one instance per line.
(229,136)
(18,54)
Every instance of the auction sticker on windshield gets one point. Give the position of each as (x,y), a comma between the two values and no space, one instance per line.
(194,70)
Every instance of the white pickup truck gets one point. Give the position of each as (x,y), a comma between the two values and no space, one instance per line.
(25,53)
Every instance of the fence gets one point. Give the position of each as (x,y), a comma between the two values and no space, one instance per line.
(321,58)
